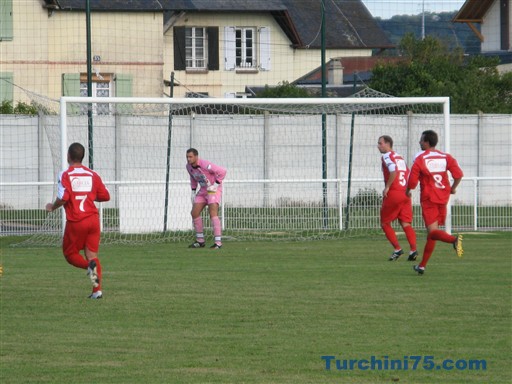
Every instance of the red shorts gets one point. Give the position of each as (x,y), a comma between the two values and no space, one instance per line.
(81,234)
(433,212)
(209,198)
(396,205)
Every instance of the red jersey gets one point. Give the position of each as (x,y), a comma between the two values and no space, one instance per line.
(393,162)
(80,187)
(431,169)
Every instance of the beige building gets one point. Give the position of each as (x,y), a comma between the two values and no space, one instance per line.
(214,49)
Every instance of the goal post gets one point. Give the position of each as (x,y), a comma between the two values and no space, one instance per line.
(286,178)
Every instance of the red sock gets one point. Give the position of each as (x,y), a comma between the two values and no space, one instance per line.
(390,235)
(427,252)
(77,260)
(98,272)
(410,233)
(443,236)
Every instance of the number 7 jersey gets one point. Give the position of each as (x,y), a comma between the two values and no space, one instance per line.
(430,169)
(80,187)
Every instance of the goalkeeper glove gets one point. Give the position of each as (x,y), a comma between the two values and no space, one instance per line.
(193,196)
(212,189)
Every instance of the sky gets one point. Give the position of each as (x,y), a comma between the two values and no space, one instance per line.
(387,8)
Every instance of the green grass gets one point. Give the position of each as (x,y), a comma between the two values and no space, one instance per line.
(255,312)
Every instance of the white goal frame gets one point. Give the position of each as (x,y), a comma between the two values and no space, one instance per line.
(254,102)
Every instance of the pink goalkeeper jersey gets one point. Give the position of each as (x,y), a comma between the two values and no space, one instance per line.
(393,162)
(431,169)
(205,174)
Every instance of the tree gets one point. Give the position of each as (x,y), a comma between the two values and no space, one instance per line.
(284,89)
(21,108)
(430,69)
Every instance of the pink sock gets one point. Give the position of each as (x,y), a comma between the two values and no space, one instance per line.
(217,230)
(198,226)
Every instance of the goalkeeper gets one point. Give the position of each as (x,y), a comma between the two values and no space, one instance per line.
(209,177)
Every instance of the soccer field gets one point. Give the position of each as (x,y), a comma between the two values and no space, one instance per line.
(260,312)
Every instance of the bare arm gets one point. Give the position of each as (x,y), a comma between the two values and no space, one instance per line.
(455,184)
(392,177)
(50,207)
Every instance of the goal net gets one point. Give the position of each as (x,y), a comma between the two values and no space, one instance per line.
(296,168)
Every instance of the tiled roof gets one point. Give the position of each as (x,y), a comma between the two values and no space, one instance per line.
(473,11)
(107,5)
(348,24)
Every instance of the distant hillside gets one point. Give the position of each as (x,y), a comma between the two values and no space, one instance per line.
(436,24)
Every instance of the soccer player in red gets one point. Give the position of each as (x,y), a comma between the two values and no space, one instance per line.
(209,176)
(79,187)
(395,203)
(430,169)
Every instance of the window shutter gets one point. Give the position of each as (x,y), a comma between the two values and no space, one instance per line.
(213,48)
(71,87)
(265,48)
(229,48)
(6,87)
(71,84)
(6,20)
(124,85)
(179,49)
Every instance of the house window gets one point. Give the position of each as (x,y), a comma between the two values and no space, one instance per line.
(101,87)
(244,48)
(247,49)
(196,48)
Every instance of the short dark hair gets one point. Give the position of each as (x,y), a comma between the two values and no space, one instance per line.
(387,139)
(430,137)
(193,150)
(76,152)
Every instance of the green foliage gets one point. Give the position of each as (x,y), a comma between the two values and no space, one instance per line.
(439,25)
(21,108)
(365,198)
(429,68)
(283,90)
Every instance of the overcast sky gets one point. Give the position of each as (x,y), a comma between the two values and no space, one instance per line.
(387,8)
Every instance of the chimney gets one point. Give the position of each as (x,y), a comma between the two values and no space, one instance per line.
(335,72)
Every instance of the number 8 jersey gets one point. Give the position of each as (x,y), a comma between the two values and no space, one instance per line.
(430,169)
(80,187)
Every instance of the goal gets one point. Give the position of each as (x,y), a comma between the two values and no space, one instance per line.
(297,168)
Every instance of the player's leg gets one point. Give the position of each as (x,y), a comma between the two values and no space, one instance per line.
(217,227)
(213,207)
(444,236)
(388,213)
(92,245)
(430,215)
(72,243)
(405,218)
(410,234)
(197,221)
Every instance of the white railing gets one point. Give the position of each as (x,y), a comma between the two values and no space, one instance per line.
(481,203)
